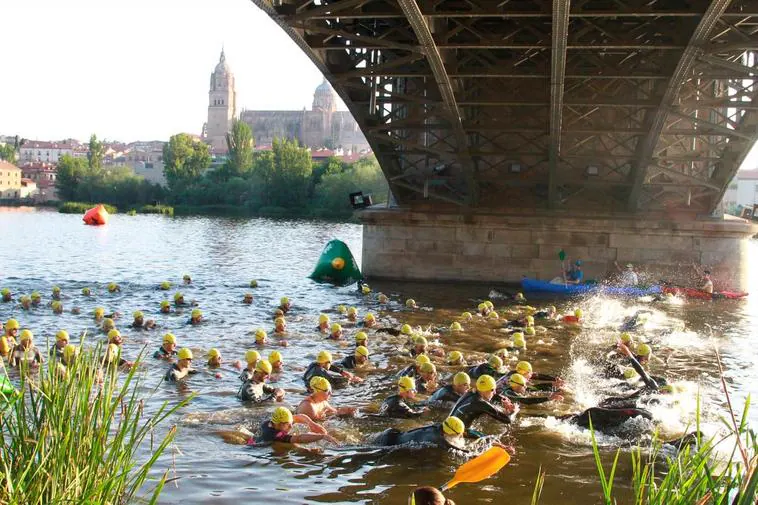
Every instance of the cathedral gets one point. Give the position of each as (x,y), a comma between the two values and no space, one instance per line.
(321,127)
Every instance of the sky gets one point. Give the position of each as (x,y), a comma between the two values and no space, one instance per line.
(139,69)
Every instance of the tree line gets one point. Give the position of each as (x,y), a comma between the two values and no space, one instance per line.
(283,181)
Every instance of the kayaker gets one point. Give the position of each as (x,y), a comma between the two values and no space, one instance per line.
(574,274)
(628,277)
(706,283)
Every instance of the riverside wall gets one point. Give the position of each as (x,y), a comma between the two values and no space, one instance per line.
(405,244)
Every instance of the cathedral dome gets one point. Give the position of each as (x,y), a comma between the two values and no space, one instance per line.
(325,99)
(222,67)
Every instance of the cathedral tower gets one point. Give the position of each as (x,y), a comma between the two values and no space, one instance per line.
(222,104)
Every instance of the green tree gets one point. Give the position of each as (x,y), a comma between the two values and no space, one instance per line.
(96,153)
(331,195)
(185,159)
(292,169)
(8,153)
(69,175)
(240,144)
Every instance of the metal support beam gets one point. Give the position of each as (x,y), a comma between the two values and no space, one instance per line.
(434,59)
(646,147)
(557,75)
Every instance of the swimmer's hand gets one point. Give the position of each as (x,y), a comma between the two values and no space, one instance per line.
(558,383)
(508,406)
(556,396)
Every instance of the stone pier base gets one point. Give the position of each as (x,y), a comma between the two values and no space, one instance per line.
(403,244)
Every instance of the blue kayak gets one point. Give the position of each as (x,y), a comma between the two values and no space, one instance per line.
(580,289)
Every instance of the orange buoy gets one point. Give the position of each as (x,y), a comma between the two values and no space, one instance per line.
(96,216)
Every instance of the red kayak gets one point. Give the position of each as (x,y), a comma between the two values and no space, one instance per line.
(702,295)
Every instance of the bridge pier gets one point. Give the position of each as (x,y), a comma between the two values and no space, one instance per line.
(405,244)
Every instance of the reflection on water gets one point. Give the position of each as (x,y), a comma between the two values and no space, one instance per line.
(41,249)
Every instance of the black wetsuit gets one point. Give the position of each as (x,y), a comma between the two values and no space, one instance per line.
(444,395)
(524,400)
(547,380)
(431,435)
(162,353)
(416,353)
(55,352)
(421,385)
(348,362)
(173,371)
(483,369)
(396,406)
(471,406)
(409,371)
(268,434)
(605,418)
(255,392)
(333,375)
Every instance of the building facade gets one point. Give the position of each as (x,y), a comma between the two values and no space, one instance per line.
(45,152)
(222,105)
(10,181)
(742,191)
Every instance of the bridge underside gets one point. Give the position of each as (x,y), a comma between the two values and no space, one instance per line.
(609,105)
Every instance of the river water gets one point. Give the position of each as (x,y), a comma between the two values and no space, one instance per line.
(42,248)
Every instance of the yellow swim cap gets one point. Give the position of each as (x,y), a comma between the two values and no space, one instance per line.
(36,295)
(253,283)
(341,309)
(361,351)
(169,338)
(518,379)
(529,321)
(282,415)
(456,326)
(214,353)
(178,296)
(530,331)
(365,289)
(518,336)
(625,338)
(361,337)
(61,335)
(495,362)
(336,327)
(320,384)
(466,316)
(453,426)
(113,333)
(352,311)
(138,314)
(275,357)
(461,378)
(519,296)
(99,312)
(186,277)
(630,373)
(421,359)
(454,357)
(70,351)
(420,340)
(280,321)
(56,305)
(524,367)
(406,384)
(263,366)
(644,350)
(382,298)
(323,318)
(369,317)
(489,304)
(324,357)
(428,368)
(482,306)
(493,315)
(56,289)
(578,313)
(85,292)
(165,285)
(284,301)
(485,383)
(25,335)
(11,324)
(108,323)
(410,302)
(196,313)
(112,286)
(260,334)
(406,329)
(252,356)
(165,303)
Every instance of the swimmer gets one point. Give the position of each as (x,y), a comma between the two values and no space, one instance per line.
(253,283)
(139,322)
(516,391)
(421,346)
(447,396)
(165,286)
(548,313)
(108,324)
(550,382)
(356,360)
(36,298)
(278,430)
(448,434)
(6,294)
(382,298)
(8,340)
(70,353)
(352,314)
(414,370)
(455,358)
(25,353)
(323,323)
(248,299)
(61,341)
(86,291)
(26,302)
(182,368)
(114,288)
(427,380)
(369,320)
(398,405)
(56,293)
(57,307)
(275,358)
(280,326)
(492,367)
(196,317)
(167,350)
(179,299)
(361,339)
(479,402)
(317,406)
(335,332)
(251,357)
(186,279)
(214,358)
(285,304)
(165,307)
(256,390)
(278,313)
(323,367)
(411,303)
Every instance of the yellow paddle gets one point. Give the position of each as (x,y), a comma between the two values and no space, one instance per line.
(485,465)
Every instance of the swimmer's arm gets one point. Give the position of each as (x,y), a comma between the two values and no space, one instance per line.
(306,438)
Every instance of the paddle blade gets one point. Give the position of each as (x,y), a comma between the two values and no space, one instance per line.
(561,255)
(481,467)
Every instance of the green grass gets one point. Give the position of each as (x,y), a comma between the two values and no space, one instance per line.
(80,437)
(166,210)
(82,207)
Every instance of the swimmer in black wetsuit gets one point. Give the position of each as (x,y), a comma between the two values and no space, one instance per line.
(447,396)
(323,367)
(168,349)
(279,427)
(446,435)
(547,382)
(480,402)
(492,367)
(516,390)
(414,370)
(358,359)
(397,405)
(256,390)
(427,378)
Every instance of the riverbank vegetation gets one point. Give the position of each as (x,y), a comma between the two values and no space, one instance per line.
(282,181)
(80,436)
